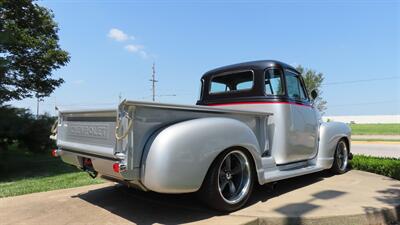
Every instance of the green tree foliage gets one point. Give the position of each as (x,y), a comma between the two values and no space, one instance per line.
(21,127)
(29,50)
(313,81)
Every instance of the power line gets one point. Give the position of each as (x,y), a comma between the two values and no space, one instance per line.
(358,81)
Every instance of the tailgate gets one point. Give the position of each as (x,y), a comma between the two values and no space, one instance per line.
(91,132)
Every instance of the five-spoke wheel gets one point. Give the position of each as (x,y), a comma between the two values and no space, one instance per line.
(234,177)
(229,181)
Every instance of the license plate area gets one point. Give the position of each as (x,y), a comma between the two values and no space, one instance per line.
(87,166)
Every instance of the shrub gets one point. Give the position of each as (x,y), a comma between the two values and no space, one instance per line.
(36,135)
(389,167)
(22,127)
(12,121)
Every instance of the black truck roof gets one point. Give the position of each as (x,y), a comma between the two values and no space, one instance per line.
(252,65)
(255,94)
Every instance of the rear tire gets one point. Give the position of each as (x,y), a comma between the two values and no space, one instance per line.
(341,158)
(229,181)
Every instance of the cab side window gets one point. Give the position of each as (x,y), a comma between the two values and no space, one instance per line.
(273,82)
(295,88)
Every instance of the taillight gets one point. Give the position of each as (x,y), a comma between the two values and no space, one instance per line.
(118,168)
(54,153)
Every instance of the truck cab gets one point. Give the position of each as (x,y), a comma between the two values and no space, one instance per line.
(268,86)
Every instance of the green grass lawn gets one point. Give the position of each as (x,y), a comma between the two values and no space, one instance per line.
(22,172)
(389,167)
(370,129)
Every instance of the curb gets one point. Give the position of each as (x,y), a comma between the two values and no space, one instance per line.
(375,216)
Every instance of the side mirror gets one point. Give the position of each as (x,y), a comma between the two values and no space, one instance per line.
(314,94)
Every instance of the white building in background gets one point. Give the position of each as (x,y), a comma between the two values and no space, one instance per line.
(364,119)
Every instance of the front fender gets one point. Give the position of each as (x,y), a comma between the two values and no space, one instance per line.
(329,135)
(180,155)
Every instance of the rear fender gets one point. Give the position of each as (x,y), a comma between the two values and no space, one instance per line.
(178,157)
(330,134)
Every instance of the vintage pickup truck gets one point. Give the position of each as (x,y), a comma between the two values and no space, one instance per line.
(254,122)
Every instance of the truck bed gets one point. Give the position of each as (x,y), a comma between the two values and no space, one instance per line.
(92,133)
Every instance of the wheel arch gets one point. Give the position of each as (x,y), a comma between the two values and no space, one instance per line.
(347,141)
(330,134)
(179,156)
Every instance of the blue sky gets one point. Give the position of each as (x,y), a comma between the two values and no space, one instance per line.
(345,40)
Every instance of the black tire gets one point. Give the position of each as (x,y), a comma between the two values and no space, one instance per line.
(341,158)
(218,175)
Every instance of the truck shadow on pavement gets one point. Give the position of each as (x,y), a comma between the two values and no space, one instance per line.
(149,207)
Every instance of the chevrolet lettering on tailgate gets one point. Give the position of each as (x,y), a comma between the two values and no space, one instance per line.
(90,131)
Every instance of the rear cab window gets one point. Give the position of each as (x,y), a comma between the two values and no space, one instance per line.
(232,82)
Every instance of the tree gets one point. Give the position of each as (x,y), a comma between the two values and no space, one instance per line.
(313,81)
(29,51)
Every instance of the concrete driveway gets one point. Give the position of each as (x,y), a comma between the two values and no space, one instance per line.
(353,198)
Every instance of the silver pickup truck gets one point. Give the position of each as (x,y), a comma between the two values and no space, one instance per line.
(254,122)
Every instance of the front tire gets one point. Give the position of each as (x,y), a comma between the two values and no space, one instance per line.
(229,181)
(341,158)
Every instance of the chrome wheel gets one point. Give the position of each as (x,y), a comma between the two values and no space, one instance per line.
(234,177)
(342,156)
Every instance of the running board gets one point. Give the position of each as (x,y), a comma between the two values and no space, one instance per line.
(275,174)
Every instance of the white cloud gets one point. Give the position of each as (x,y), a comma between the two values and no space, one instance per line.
(137,49)
(118,35)
(143,54)
(133,48)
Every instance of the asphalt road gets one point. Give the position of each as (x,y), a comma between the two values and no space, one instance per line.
(380,149)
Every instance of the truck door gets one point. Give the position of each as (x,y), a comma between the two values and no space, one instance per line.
(303,131)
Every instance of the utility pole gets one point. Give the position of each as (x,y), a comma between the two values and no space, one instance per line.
(153,82)
(37,106)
